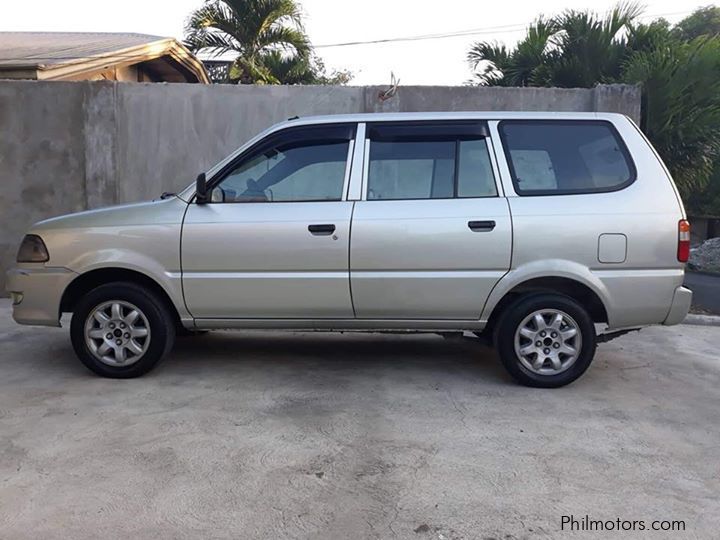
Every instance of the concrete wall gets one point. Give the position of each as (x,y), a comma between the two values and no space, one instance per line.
(69,146)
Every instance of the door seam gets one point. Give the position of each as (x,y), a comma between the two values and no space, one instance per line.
(352,302)
(182,270)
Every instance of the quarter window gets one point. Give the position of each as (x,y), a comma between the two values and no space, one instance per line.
(419,164)
(565,157)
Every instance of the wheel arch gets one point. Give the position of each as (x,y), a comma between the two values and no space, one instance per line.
(581,286)
(91,279)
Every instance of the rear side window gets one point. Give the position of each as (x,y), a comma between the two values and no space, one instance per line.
(441,161)
(565,157)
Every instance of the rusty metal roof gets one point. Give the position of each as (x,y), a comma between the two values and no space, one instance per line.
(36,49)
(56,55)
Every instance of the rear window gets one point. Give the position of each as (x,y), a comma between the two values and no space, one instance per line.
(565,157)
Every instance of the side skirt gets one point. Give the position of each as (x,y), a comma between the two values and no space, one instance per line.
(341,325)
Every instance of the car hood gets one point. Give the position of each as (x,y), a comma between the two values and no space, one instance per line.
(168,211)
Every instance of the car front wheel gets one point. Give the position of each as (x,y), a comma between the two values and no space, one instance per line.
(545,340)
(121,330)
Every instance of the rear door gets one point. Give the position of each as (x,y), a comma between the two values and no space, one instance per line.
(432,234)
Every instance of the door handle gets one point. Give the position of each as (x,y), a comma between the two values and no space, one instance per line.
(481,226)
(324,229)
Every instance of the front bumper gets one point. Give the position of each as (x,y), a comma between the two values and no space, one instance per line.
(36,292)
(680,306)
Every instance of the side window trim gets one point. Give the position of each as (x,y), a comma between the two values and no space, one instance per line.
(503,168)
(366,169)
(348,167)
(357,166)
(271,139)
(456,168)
(584,191)
(494,163)
(461,130)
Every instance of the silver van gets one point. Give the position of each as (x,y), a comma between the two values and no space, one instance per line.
(544,233)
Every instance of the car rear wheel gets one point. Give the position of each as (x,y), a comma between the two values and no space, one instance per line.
(121,330)
(545,340)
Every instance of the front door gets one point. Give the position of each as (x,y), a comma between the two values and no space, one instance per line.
(274,241)
(432,236)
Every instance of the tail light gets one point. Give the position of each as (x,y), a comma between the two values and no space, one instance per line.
(683,252)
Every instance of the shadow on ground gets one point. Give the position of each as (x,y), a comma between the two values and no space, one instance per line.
(332,352)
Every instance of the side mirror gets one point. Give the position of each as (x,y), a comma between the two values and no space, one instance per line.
(201,196)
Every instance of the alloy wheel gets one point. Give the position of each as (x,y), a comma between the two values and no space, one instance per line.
(117,333)
(548,342)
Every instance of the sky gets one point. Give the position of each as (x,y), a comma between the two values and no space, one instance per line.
(328,22)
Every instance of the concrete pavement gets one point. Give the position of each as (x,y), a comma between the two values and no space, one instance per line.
(259,435)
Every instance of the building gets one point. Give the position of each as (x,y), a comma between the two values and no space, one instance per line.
(74,56)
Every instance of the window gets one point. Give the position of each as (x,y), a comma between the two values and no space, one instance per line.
(566,157)
(307,165)
(428,162)
(475,176)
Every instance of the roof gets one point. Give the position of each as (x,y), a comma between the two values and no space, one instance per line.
(59,51)
(36,49)
(448,115)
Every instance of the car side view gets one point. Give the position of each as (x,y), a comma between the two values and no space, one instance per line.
(544,233)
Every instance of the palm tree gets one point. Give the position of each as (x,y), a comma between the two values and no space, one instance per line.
(302,69)
(592,47)
(295,69)
(523,66)
(576,48)
(680,78)
(681,106)
(257,31)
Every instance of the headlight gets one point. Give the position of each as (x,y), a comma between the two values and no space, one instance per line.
(32,249)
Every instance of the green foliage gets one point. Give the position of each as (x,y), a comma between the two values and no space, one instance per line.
(678,68)
(703,22)
(301,69)
(266,36)
(705,201)
(574,49)
(643,37)
(590,49)
(681,109)
(524,66)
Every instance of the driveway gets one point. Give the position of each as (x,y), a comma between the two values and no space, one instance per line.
(257,435)
(706,291)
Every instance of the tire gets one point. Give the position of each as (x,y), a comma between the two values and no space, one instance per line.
(143,341)
(545,360)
